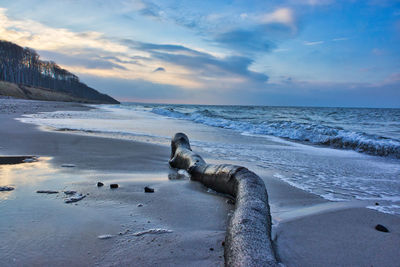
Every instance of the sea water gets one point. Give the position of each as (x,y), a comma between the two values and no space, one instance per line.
(340,154)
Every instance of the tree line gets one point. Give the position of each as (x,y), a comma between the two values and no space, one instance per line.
(22,65)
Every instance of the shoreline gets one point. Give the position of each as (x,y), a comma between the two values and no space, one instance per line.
(307,229)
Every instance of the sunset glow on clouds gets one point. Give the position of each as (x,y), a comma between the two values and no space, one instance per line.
(219,52)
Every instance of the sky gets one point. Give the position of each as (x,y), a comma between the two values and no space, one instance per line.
(285,53)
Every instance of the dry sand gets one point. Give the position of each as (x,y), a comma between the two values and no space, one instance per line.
(41,230)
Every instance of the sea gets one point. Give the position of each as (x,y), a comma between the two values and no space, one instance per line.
(340,154)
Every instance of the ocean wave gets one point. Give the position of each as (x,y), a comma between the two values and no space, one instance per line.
(307,132)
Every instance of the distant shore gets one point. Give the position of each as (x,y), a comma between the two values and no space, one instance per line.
(307,231)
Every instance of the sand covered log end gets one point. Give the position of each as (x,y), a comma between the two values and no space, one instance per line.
(182,156)
(248,238)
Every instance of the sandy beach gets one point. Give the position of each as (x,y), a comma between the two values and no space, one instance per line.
(40,229)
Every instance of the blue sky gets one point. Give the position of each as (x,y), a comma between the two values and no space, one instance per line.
(303,52)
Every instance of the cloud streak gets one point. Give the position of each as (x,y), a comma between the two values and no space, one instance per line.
(201,66)
(313,43)
(39,36)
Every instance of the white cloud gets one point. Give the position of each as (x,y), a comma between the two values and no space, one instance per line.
(244,16)
(283,16)
(340,39)
(313,43)
(281,50)
(39,36)
(132,5)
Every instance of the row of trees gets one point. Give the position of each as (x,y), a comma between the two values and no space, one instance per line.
(24,66)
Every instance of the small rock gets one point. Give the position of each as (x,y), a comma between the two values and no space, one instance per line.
(69,192)
(140,205)
(68,165)
(6,188)
(99,184)
(113,186)
(148,190)
(376,204)
(381,228)
(74,198)
(47,192)
(223,243)
(211,249)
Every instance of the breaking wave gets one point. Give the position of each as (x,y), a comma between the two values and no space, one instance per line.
(298,128)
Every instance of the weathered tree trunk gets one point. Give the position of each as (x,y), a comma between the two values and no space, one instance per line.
(248,237)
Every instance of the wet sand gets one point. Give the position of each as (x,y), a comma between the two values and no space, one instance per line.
(307,231)
(32,223)
(343,237)
(311,231)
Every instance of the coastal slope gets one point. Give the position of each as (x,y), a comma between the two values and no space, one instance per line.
(32,93)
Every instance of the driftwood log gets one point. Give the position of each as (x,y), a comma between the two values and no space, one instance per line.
(248,237)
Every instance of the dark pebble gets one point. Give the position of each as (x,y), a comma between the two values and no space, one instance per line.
(230,202)
(381,228)
(99,184)
(148,190)
(376,204)
(113,185)
(212,249)
(223,243)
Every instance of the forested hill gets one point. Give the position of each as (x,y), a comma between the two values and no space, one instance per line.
(23,66)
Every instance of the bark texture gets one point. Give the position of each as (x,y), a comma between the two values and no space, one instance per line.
(248,238)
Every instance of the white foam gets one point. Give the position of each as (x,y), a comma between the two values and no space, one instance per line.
(390,209)
(309,132)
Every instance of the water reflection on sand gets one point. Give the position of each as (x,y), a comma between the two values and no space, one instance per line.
(24,174)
